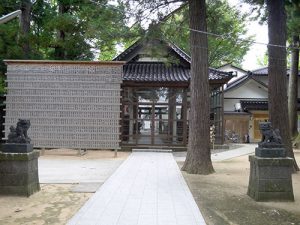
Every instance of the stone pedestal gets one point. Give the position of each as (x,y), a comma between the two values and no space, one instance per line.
(270,179)
(19,173)
(270,152)
(17,148)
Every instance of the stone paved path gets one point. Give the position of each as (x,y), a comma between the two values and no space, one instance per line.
(147,189)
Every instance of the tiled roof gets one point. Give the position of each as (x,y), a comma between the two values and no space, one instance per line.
(265,70)
(258,105)
(254,105)
(215,74)
(161,72)
(180,52)
(261,71)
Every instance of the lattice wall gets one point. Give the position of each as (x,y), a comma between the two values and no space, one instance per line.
(69,104)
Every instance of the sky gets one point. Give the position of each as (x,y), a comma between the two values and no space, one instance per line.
(260,33)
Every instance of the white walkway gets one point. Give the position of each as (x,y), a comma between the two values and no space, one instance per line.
(147,189)
(243,149)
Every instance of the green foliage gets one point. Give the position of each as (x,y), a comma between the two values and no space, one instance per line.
(221,19)
(2,85)
(66,29)
(263,60)
(75,28)
(84,29)
(293,17)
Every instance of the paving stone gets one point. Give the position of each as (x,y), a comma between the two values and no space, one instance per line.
(147,188)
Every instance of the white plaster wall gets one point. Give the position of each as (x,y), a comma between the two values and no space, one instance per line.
(251,89)
(264,79)
(229,104)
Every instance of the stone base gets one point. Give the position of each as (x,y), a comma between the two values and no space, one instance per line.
(19,173)
(270,179)
(270,152)
(17,148)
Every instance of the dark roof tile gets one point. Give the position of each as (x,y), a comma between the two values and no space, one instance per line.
(254,105)
(160,72)
(258,105)
(265,70)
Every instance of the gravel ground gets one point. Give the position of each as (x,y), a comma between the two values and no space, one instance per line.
(222,197)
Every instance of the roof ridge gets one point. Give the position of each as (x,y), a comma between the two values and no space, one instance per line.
(127,49)
(243,79)
(231,64)
(180,51)
(238,80)
(262,68)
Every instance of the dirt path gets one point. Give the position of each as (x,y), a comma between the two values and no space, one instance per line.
(223,200)
(54,204)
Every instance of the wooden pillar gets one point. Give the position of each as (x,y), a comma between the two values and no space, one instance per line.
(172,110)
(184,116)
(152,122)
(130,112)
(160,120)
(222,116)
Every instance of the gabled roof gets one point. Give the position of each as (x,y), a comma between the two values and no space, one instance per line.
(158,71)
(131,51)
(233,66)
(124,55)
(265,70)
(242,80)
(180,52)
(260,71)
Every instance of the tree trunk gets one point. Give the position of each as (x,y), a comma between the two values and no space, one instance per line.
(293,87)
(198,159)
(59,51)
(278,107)
(26,6)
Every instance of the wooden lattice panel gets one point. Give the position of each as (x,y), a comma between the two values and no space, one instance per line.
(69,104)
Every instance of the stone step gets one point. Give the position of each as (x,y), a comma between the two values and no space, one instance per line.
(152,150)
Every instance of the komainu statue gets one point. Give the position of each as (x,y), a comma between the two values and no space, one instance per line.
(270,136)
(19,134)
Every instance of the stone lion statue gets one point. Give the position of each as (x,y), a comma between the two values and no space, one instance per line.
(269,135)
(19,134)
